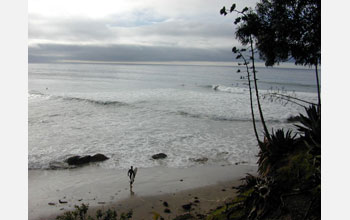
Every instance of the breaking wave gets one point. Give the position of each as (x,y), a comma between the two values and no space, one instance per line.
(92,101)
(236,90)
(222,118)
(36,94)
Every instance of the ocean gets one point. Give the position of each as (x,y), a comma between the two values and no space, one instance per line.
(130,112)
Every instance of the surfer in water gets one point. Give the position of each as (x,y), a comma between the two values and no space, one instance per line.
(131,175)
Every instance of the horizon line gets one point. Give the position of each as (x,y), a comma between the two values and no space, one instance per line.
(183,63)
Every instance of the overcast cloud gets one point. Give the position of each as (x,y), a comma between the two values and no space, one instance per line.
(130,30)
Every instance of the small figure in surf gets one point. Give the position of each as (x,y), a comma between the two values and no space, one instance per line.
(131,175)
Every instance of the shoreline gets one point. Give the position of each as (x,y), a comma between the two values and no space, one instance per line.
(101,188)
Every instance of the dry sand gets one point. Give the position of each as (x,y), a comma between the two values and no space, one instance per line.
(103,188)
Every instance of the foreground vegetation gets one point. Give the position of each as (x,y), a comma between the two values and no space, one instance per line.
(288,185)
(81,213)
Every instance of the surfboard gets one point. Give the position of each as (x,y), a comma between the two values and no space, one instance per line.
(135,171)
(133,176)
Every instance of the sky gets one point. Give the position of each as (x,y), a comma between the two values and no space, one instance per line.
(131,30)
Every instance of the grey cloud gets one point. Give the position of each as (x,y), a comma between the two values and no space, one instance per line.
(190,28)
(113,29)
(78,29)
(56,52)
(199,37)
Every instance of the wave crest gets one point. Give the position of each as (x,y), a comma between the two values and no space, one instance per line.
(221,88)
(223,118)
(36,94)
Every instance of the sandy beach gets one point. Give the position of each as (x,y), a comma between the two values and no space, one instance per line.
(52,192)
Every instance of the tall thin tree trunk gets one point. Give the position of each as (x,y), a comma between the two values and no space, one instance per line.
(318,86)
(257,92)
(251,101)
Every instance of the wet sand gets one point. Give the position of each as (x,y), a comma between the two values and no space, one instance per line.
(103,188)
(169,205)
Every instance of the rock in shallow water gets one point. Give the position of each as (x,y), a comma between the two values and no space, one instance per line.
(159,156)
(77,160)
(98,158)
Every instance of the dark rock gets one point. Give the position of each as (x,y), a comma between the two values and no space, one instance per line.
(165,204)
(181,180)
(52,203)
(62,202)
(187,207)
(159,156)
(98,158)
(77,160)
(73,160)
(84,160)
(167,210)
(196,201)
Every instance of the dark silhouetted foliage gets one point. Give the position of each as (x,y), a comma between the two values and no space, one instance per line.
(80,213)
(284,29)
(311,124)
(280,144)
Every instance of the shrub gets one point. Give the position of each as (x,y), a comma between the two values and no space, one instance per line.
(80,213)
(280,144)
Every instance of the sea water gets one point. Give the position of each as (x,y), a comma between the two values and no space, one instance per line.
(130,112)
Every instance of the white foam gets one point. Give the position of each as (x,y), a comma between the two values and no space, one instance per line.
(186,123)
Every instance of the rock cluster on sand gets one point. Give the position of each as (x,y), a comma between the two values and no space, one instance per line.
(78,160)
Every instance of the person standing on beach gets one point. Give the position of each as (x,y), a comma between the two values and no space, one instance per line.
(131,175)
